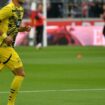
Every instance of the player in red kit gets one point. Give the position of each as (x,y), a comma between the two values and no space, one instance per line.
(37,21)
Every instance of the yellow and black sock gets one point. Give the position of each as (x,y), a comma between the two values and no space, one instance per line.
(16,84)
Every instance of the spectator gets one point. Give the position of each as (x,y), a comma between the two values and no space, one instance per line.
(55,10)
(91,9)
(75,11)
(84,9)
(98,9)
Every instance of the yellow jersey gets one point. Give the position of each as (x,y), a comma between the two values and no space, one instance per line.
(10,20)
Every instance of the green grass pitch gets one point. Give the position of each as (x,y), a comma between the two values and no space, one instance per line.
(59,76)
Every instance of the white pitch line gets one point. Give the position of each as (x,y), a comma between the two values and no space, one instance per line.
(65,90)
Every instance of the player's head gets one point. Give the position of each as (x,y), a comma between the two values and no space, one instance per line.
(21,2)
(40,7)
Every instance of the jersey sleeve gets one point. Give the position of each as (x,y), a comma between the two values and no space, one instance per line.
(5,12)
(4,35)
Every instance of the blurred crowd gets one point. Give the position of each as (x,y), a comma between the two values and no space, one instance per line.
(68,8)
(87,9)
(92,9)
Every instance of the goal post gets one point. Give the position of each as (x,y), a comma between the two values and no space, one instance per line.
(32,31)
(45,23)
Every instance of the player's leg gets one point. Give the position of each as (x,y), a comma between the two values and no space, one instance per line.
(16,84)
(39,36)
(3,53)
(16,66)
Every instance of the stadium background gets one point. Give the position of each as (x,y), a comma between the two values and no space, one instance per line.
(71,74)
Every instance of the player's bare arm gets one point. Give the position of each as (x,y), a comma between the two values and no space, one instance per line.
(24,29)
(8,40)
